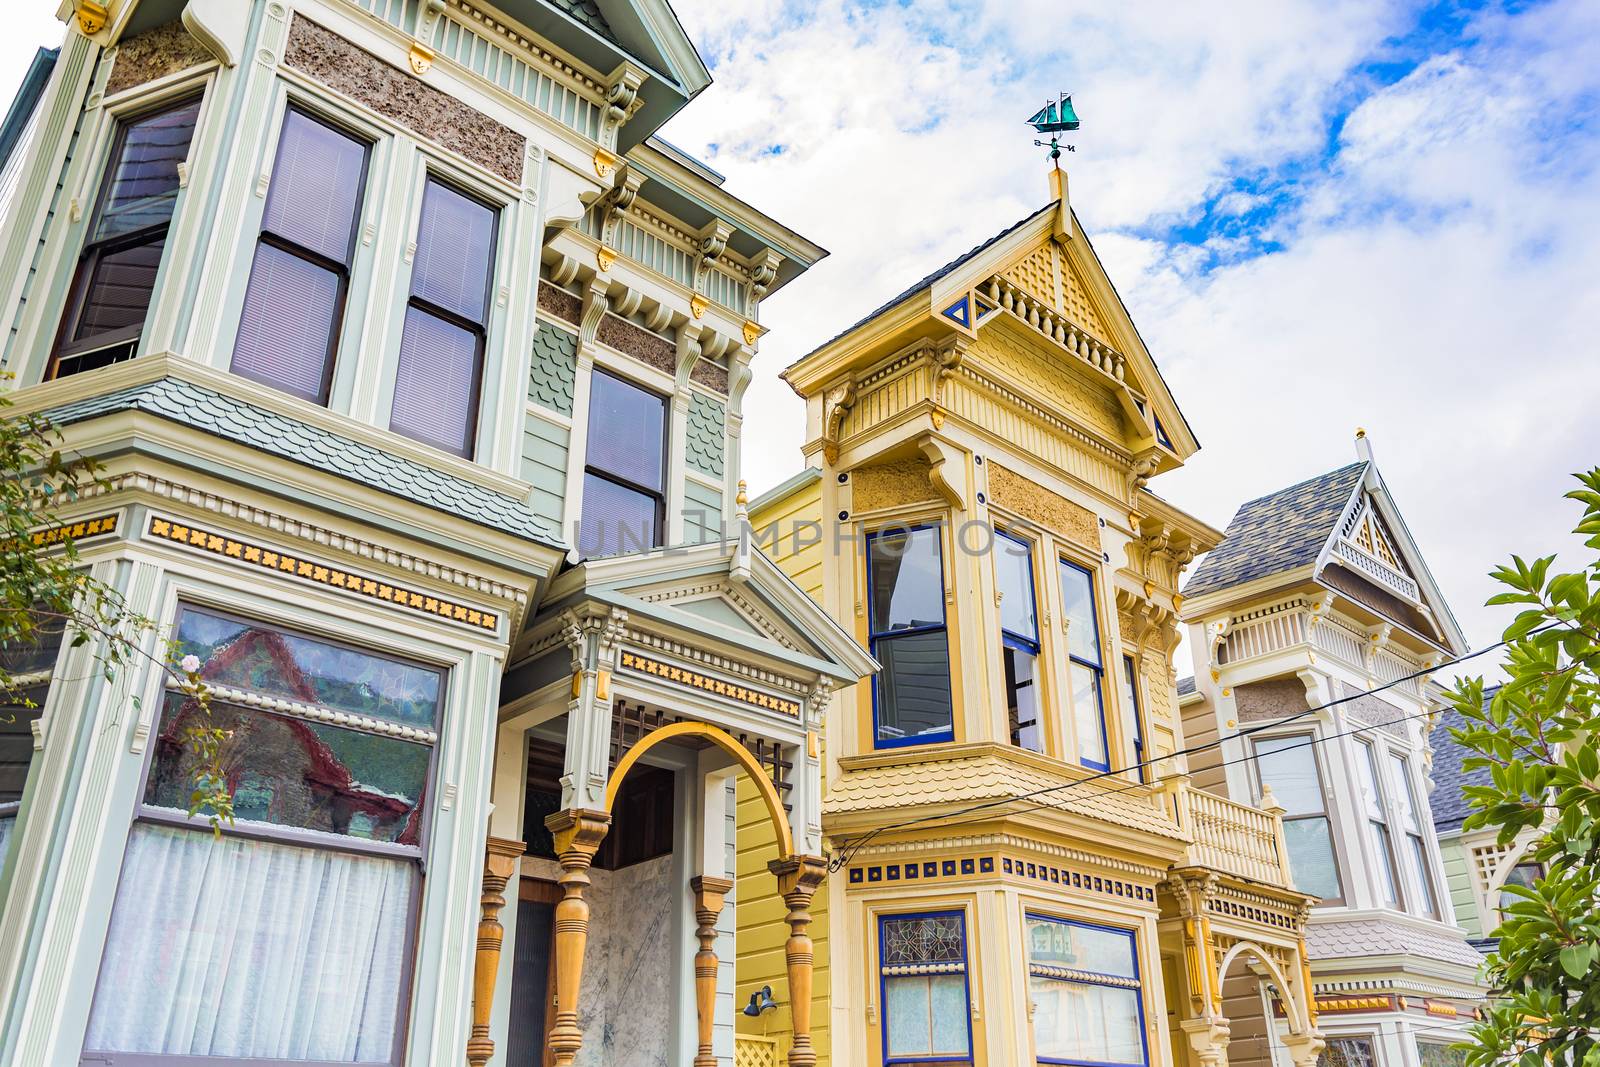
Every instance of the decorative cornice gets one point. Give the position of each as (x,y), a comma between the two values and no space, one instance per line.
(668,672)
(1007,840)
(712,661)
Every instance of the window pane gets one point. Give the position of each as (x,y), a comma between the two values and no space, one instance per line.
(142,181)
(1083,635)
(908,1014)
(16,746)
(947,999)
(1419,861)
(1405,800)
(316,184)
(1523,874)
(1130,704)
(1013,572)
(1311,862)
(1372,796)
(264,660)
(436,385)
(1086,1023)
(117,295)
(290,772)
(455,243)
(616,519)
(914,686)
(907,580)
(1081,948)
(1347,1052)
(1022,701)
(626,430)
(1434,1054)
(8,827)
(1088,716)
(38,654)
(196,962)
(1289,766)
(291,309)
(1386,872)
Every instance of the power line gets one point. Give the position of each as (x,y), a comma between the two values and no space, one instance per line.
(850,850)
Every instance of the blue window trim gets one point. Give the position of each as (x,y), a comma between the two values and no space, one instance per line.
(1009,637)
(1138,976)
(1138,716)
(873,636)
(966,984)
(1099,668)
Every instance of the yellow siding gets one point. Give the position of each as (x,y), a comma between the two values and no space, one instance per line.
(759,911)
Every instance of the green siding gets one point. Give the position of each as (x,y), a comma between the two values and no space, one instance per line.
(553,368)
(707,434)
(702,512)
(1458,877)
(544,463)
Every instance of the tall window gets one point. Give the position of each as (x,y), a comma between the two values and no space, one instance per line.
(1084,983)
(1411,825)
(116,273)
(1086,666)
(1135,714)
(328,754)
(905,585)
(624,474)
(1378,825)
(1019,639)
(447,319)
(1289,766)
(294,303)
(923,970)
(29,665)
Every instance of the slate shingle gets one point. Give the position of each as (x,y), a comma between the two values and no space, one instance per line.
(1450,807)
(1277,532)
(212,412)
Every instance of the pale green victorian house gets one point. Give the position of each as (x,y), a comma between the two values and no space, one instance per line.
(415,362)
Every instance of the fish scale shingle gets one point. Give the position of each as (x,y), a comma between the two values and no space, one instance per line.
(212,412)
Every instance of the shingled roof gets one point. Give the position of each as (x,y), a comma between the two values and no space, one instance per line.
(225,416)
(1450,806)
(1278,532)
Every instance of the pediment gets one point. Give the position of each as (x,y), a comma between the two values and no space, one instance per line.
(722,605)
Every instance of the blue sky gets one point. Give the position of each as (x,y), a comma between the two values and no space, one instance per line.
(1322,215)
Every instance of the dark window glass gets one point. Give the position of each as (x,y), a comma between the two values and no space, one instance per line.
(295,299)
(1022,700)
(116,274)
(441,352)
(641,825)
(912,693)
(624,469)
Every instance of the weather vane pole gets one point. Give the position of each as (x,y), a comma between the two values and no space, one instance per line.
(1055,118)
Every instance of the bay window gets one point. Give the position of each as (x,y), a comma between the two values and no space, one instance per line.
(907,636)
(922,963)
(440,375)
(1084,982)
(1289,765)
(327,752)
(625,469)
(1085,665)
(1019,639)
(1378,825)
(29,666)
(1411,825)
(116,274)
(294,301)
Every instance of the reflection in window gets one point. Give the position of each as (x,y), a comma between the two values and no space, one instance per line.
(1411,825)
(923,967)
(295,298)
(1086,668)
(29,665)
(1019,639)
(1348,1052)
(327,753)
(117,269)
(1084,983)
(1436,1054)
(624,495)
(1135,714)
(447,319)
(907,626)
(1378,825)
(1523,874)
(1289,766)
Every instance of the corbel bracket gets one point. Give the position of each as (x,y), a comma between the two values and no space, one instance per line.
(836,403)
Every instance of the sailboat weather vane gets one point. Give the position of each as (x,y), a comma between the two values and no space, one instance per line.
(1055,118)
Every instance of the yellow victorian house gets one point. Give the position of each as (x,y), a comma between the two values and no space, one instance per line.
(1020,869)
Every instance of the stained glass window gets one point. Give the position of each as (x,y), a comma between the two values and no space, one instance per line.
(923,966)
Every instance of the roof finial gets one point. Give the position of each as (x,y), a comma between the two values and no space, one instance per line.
(1363,446)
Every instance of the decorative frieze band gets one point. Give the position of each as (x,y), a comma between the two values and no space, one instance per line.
(357,585)
(984,866)
(77,530)
(715,686)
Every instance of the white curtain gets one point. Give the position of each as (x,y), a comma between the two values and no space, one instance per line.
(238,948)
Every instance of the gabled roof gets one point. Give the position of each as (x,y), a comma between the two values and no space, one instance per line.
(214,413)
(1278,532)
(1449,804)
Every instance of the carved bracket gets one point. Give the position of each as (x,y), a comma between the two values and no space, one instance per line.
(836,403)
(945,475)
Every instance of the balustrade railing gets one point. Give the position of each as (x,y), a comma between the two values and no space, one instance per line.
(1234,838)
(1376,569)
(1063,331)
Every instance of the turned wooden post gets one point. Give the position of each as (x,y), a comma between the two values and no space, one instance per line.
(499,864)
(577,834)
(709,894)
(798,878)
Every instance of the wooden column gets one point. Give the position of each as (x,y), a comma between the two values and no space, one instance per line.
(578,834)
(709,893)
(798,878)
(499,864)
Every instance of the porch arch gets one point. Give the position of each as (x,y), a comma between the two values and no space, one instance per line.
(741,755)
(1297,1009)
